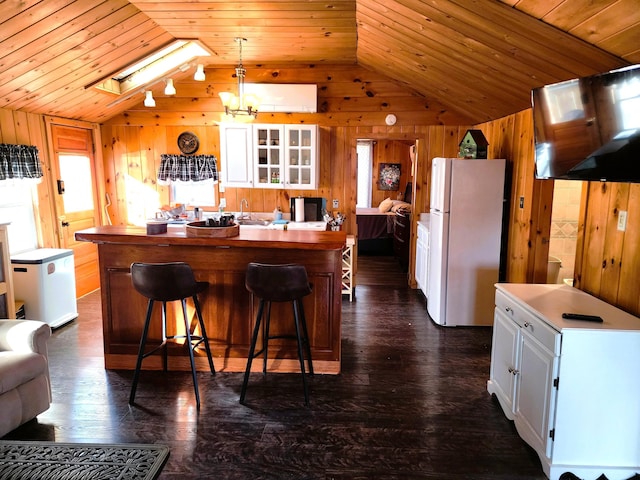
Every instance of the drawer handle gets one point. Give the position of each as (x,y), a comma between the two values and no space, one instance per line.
(513,371)
(526,324)
(508,309)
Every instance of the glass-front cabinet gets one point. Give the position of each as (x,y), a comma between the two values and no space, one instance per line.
(268,158)
(300,156)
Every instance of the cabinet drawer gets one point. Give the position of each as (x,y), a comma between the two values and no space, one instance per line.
(547,336)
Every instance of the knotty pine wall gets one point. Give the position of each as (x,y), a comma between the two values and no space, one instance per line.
(353,103)
(607,261)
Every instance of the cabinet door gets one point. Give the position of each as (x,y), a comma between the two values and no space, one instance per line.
(236,155)
(268,157)
(505,365)
(301,156)
(536,393)
(420,251)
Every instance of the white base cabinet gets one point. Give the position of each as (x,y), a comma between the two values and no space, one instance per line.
(571,387)
(422,258)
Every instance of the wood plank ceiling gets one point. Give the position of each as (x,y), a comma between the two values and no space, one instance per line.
(478,57)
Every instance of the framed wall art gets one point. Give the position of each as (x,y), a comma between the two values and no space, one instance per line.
(389,176)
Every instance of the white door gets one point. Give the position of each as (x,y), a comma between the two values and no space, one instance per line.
(300,156)
(438,250)
(421,260)
(536,394)
(268,156)
(440,184)
(505,360)
(236,153)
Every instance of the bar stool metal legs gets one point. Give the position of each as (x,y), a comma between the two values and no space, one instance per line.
(164,283)
(278,283)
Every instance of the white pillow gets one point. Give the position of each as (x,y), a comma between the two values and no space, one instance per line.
(385,205)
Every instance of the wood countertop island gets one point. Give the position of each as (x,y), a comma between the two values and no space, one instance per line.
(228,308)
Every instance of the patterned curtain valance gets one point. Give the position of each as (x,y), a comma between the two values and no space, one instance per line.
(19,161)
(187,168)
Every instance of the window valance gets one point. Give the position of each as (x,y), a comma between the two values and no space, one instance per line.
(19,162)
(187,168)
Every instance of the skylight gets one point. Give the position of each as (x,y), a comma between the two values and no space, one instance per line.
(171,59)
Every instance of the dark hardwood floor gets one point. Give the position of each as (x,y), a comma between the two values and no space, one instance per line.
(410,403)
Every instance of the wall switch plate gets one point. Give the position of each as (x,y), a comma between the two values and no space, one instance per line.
(336,203)
(223,202)
(622,220)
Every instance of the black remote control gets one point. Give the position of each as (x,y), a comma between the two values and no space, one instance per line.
(580,316)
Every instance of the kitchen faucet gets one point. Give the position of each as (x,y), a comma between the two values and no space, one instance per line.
(243,215)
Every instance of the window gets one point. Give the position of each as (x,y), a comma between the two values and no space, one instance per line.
(170,59)
(195,194)
(364,150)
(16,206)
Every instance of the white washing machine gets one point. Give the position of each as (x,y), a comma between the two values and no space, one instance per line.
(44,279)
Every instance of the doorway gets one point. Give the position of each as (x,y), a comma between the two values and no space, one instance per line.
(564,230)
(384,245)
(76,201)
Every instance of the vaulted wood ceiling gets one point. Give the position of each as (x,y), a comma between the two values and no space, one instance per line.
(477,57)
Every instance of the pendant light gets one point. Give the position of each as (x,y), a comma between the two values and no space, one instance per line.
(240,104)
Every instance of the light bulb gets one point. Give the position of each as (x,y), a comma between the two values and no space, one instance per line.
(199,75)
(148,99)
(170,89)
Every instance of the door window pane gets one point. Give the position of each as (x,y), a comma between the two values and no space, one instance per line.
(75,171)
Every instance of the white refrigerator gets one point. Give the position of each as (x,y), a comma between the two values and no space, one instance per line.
(465,232)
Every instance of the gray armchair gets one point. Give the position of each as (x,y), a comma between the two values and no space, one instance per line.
(25,390)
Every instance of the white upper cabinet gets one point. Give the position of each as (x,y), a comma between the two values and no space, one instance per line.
(301,156)
(236,142)
(269,155)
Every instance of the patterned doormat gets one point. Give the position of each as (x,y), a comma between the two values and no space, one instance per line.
(80,461)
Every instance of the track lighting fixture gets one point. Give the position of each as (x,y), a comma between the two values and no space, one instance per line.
(199,75)
(148,99)
(170,89)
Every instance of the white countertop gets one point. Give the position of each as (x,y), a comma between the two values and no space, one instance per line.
(311,226)
(550,301)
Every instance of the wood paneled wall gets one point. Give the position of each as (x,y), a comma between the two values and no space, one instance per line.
(607,260)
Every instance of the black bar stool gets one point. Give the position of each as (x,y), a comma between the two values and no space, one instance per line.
(278,283)
(168,282)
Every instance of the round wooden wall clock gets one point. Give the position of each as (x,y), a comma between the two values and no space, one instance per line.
(188,143)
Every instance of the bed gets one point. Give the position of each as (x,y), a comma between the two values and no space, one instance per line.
(376,227)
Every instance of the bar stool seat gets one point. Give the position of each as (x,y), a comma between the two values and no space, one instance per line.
(278,283)
(168,282)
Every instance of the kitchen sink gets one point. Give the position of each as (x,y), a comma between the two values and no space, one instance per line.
(252,221)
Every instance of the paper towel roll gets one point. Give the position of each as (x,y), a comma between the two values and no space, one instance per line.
(299,205)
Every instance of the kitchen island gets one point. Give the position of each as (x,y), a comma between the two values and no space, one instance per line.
(227,307)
